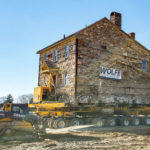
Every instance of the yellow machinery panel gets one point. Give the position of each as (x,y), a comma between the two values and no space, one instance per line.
(49,109)
(44,93)
(7,107)
(47,105)
(39,93)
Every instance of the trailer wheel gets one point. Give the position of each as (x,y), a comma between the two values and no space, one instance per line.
(124,121)
(147,120)
(99,122)
(111,122)
(50,122)
(7,132)
(41,125)
(76,122)
(135,121)
(59,123)
(35,126)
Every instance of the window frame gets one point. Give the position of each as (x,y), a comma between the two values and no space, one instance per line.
(56,55)
(46,56)
(144,65)
(65,78)
(67,51)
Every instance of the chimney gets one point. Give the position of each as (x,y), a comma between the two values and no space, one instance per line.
(115,18)
(132,35)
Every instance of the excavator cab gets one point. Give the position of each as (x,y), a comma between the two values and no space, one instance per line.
(7,107)
(10,112)
(14,108)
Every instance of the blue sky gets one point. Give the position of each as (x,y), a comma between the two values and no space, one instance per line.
(27,26)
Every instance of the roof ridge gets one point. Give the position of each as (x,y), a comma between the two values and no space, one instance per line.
(70,36)
(76,33)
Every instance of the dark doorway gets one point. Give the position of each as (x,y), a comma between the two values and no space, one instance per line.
(54,79)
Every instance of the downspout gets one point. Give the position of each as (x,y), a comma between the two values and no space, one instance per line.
(76,71)
(39,70)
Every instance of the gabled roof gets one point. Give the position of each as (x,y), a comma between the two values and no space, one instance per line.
(68,37)
(78,32)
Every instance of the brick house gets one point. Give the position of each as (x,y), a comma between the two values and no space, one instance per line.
(100,63)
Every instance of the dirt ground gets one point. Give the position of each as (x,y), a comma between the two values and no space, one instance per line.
(114,138)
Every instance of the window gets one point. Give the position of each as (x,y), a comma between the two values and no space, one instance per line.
(17,109)
(50,56)
(65,78)
(47,57)
(144,65)
(67,50)
(55,55)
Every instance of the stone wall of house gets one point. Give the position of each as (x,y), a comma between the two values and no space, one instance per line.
(66,64)
(104,44)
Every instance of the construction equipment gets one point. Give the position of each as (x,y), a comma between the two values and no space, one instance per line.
(42,93)
(16,117)
(60,115)
(47,113)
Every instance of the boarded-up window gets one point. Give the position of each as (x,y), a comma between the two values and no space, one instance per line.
(144,65)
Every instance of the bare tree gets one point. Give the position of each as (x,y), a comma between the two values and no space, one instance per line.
(3,99)
(25,99)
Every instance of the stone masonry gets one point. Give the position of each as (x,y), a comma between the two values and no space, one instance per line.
(100,44)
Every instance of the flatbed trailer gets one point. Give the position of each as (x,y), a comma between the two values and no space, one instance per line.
(60,115)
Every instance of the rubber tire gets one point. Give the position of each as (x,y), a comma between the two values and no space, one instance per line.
(111,122)
(124,121)
(41,124)
(50,123)
(8,132)
(35,125)
(76,122)
(135,121)
(99,122)
(56,124)
(147,121)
